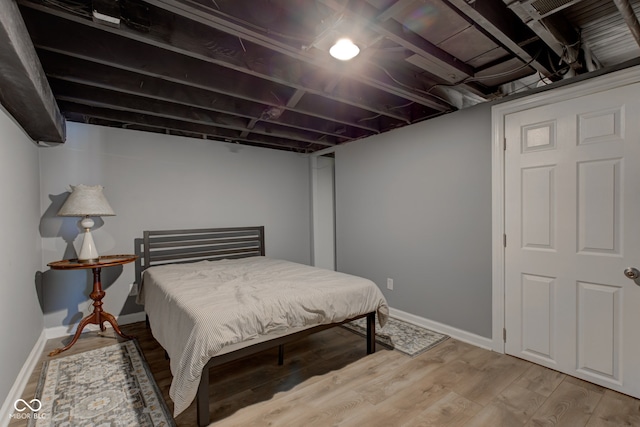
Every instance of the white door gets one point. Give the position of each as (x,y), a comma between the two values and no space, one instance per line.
(572,222)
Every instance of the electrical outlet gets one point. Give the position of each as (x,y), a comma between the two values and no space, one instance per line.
(390,284)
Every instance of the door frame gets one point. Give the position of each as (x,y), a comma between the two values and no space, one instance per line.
(498,112)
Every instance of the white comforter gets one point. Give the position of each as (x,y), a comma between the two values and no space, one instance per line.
(197,309)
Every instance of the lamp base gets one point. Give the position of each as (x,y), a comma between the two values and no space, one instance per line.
(88,251)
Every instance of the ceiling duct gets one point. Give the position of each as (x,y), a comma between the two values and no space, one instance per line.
(552,28)
(629,17)
(538,9)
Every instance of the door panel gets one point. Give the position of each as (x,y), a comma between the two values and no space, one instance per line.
(538,297)
(572,209)
(599,343)
(538,208)
(599,207)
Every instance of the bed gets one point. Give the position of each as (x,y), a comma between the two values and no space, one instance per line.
(211,296)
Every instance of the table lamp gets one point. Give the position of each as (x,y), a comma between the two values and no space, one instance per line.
(86,201)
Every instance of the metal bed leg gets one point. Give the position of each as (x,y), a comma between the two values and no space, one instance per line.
(371,333)
(203,399)
(281,354)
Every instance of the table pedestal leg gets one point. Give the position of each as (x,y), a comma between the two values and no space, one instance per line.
(98,317)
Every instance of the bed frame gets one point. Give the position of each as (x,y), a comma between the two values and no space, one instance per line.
(179,246)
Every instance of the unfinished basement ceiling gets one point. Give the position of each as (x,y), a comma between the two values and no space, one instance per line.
(258,72)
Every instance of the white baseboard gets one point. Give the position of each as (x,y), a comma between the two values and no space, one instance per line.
(456,333)
(21,380)
(61,331)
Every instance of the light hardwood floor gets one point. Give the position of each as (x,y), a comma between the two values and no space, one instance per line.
(328,381)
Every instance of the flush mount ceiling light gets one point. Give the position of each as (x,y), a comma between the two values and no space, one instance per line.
(344,50)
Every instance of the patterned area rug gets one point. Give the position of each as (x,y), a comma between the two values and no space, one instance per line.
(405,337)
(110,386)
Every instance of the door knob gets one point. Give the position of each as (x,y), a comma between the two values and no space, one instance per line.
(631,273)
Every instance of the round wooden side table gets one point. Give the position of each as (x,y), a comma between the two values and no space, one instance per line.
(98,316)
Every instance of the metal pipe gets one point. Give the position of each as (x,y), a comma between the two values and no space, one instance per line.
(624,6)
(589,60)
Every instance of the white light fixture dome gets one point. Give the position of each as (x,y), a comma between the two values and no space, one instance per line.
(344,50)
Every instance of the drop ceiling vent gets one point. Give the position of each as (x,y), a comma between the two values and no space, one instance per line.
(538,9)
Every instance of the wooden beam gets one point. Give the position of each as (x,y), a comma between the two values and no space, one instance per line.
(496,19)
(209,16)
(184,51)
(450,68)
(394,9)
(102,98)
(67,68)
(24,90)
(85,113)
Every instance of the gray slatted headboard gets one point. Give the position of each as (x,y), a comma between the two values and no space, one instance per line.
(174,246)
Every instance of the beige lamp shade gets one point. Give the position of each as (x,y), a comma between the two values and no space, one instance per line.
(86,200)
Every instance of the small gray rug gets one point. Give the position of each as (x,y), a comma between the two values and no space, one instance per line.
(405,337)
(109,386)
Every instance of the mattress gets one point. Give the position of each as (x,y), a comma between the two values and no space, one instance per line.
(203,309)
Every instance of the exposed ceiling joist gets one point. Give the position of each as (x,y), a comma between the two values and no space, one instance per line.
(364,14)
(118,81)
(185,49)
(208,15)
(184,44)
(102,98)
(89,114)
(393,9)
(494,17)
(258,72)
(24,90)
(444,67)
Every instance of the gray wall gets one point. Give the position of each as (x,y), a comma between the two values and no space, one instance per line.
(154,181)
(414,205)
(21,318)
(322,176)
